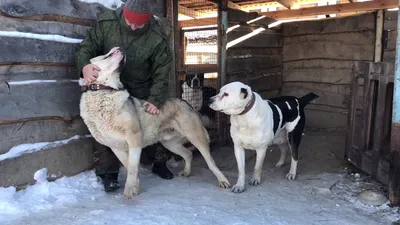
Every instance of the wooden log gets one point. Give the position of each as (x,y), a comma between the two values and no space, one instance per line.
(356,38)
(46,130)
(43,27)
(261,40)
(318,64)
(391,40)
(61,160)
(389,56)
(59,99)
(9,73)
(325,119)
(25,50)
(327,50)
(254,62)
(318,75)
(343,89)
(246,52)
(264,83)
(364,22)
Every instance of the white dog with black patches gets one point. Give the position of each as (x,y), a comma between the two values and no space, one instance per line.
(257,123)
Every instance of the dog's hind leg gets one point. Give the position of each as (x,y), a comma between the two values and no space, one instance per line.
(200,141)
(294,139)
(176,146)
(283,148)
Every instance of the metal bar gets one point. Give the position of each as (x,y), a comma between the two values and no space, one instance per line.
(222,60)
(394,167)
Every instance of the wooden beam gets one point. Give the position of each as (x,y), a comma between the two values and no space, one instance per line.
(332,9)
(286,3)
(198,22)
(187,12)
(234,5)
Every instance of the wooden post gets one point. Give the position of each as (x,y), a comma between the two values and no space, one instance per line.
(394,167)
(378,36)
(172,15)
(222,60)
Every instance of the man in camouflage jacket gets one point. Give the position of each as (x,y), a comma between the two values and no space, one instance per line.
(144,74)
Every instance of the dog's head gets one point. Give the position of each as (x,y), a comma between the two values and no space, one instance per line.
(195,81)
(232,98)
(109,65)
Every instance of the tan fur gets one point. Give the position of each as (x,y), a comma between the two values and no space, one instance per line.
(120,122)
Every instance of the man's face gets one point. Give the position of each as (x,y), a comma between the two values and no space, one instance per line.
(134,26)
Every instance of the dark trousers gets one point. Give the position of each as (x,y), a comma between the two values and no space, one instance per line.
(106,162)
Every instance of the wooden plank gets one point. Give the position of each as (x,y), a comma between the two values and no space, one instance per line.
(318,75)
(391,40)
(198,22)
(254,62)
(378,36)
(238,16)
(264,83)
(46,130)
(325,119)
(33,72)
(327,50)
(254,72)
(389,56)
(343,89)
(25,50)
(318,64)
(60,99)
(43,27)
(236,52)
(261,40)
(390,20)
(364,22)
(356,38)
(331,9)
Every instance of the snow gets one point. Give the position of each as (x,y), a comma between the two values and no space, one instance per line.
(111,4)
(45,37)
(34,147)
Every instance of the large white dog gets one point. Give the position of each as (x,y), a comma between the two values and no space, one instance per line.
(120,122)
(256,124)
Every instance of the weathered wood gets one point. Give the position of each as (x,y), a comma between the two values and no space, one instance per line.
(343,89)
(261,40)
(325,119)
(389,56)
(269,94)
(234,53)
(254,72)
(365,22)
(25,50)
(391,40)
(318,64)
(39,131)
(378,36)
(32,72)
(327,50)
(43,27)
(264,83)
(356,38)
(238,16)
(254,62)
(318,75)
(60,99)
(63,160)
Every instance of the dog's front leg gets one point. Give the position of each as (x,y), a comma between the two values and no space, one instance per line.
(240,159)
(256,179)
(132,185)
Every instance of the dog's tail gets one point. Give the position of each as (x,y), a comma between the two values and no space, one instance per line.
(306,99)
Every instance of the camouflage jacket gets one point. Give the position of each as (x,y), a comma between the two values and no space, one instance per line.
(148,55)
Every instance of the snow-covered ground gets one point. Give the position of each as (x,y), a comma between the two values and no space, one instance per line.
(324,193)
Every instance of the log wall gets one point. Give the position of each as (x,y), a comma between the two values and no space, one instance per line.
(318,56)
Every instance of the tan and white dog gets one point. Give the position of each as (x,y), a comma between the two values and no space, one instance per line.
(119,121)
(257,123)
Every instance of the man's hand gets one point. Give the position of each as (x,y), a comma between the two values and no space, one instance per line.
(152,109)
(90,73)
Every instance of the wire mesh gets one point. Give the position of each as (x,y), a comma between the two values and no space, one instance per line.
(198,76)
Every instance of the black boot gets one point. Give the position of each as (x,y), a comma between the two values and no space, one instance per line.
(110,182)
(161,169)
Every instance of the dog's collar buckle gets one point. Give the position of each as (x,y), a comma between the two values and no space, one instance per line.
(249,105)
(96,87)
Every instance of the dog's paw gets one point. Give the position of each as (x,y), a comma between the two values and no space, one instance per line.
(279,164)
(290,176)
(254,182)
(131,191)
(238,188)
(224,184)
(184,173)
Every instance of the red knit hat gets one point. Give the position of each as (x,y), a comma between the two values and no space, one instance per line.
(137,11)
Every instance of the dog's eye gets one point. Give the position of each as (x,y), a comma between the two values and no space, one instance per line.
(225,94)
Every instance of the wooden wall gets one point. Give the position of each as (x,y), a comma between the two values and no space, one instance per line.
(39,95)
(256,61)
(389,36)
(318,56)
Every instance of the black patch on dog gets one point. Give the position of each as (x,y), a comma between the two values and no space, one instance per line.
(244,91)
(275,115)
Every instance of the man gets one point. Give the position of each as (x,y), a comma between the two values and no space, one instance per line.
(144,74)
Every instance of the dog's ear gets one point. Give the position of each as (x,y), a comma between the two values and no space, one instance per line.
(243,93)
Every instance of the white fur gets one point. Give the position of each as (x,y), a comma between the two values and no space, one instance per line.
(253,130)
